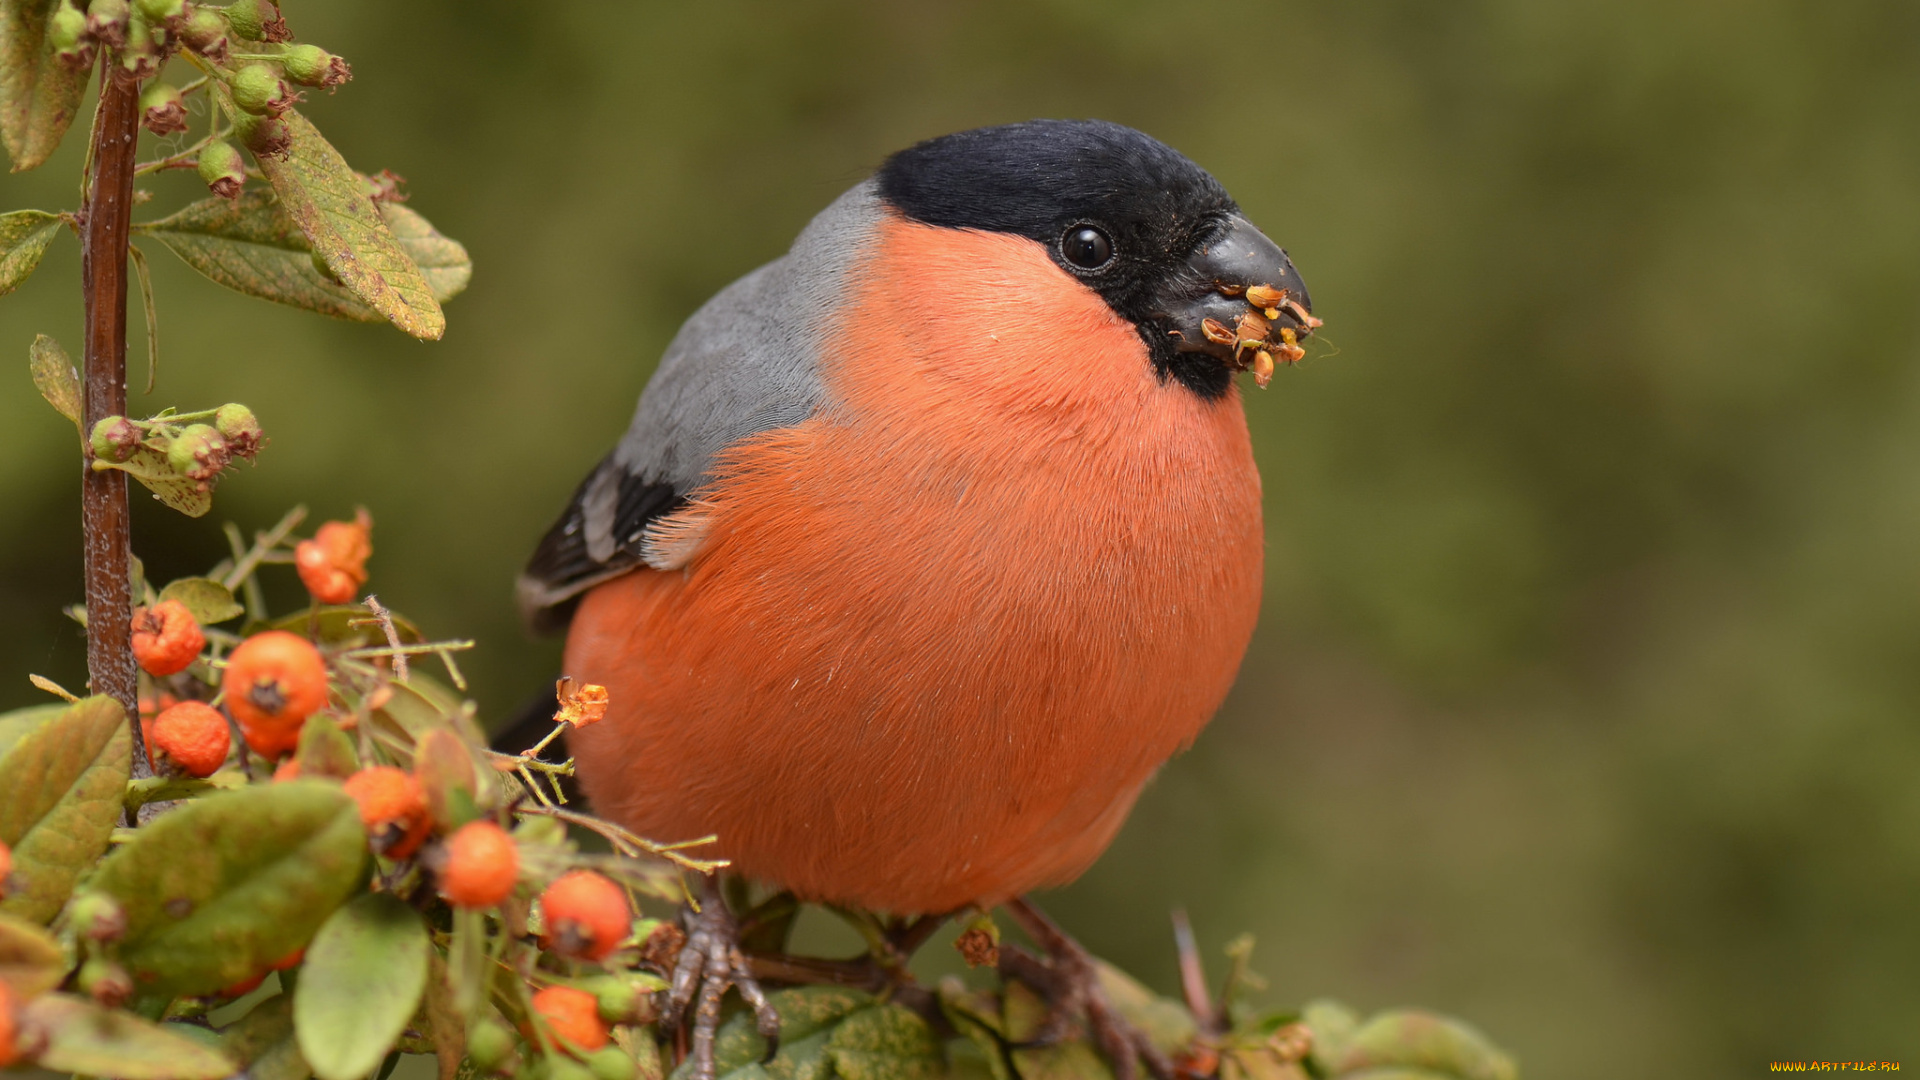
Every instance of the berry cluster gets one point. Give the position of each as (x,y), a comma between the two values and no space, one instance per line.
(195,447)
(245,48)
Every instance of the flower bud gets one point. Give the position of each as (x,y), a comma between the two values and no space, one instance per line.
(106,982)
(256,89)
(205,32)
(67,32)
(223,170)
(311,65)
(161,12)
(199,453)
(97,917)
(237,424)
(107,22)
(162,110)
(115,439)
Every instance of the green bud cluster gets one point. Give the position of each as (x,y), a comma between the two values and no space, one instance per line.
(222,169)
(192,448)
(162,110)
(259,89)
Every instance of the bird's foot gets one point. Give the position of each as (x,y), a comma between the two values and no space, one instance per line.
(709,963)
(1070,979)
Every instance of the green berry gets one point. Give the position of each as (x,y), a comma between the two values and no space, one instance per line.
(107,21)
(240,428)
(105,981)
(206,33)
(97,917)
(611,1063)
(561,1067)
(245,20)
(258,90)
(617,999)
(223,169)
(115,439)
(311,65)
(199,453)
(489,1044)
(162,110)
(159,11)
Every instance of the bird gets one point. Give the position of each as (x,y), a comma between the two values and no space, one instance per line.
(933,539)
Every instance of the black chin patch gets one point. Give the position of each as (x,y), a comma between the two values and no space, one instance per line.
(1042,178)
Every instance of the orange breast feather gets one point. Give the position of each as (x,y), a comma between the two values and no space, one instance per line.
(936,639)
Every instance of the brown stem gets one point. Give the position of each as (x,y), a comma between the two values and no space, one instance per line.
(103,493)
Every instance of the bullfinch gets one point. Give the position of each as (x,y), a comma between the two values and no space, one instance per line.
(933,538)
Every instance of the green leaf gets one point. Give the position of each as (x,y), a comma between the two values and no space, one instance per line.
(1166,1023)
(360,984)
(24,237)
(263,1042)
(1411,1040)
(149,466)
(886,1042)
(218,889)
(54,376)
(60,791)
(252,245)
(808,1017)
(330,204)
(38,95)
(15,725)
(1025,1013)
(208,600)
(31,961)
(90,1040)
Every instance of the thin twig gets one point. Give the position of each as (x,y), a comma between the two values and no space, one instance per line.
(1193,975)
(263,543)
(629,844)
(152,313)
(385,619)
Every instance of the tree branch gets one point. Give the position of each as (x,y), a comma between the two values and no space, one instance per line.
(103,493)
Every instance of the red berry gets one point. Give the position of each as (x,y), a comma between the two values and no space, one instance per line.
(393,808)
(274,681)
(165,638)
(10,1026)
(573,1018)
(481,867)
(587,915)
(193,735)
(333,565)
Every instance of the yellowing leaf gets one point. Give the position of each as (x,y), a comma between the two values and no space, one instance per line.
(330,204)
(149,466)
(60,791)
(223,886)
(359,985)
(91,1040)
(31,962)
(55,377)
(38,95)
(252,245)
(24,237)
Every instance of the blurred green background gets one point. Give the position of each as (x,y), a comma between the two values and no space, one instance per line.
(1586,704)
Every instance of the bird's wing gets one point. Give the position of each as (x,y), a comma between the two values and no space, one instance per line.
(746,362)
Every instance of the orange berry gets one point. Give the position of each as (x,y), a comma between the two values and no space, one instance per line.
(193,735)
(274,681)
(6,867)
(393,808)
(587,915)
(291,960)
(165,638)
(482,865)
(287,770)
(10,1026)
(572,1016)
(333,565)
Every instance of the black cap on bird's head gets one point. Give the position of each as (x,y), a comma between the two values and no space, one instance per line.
(1133,219)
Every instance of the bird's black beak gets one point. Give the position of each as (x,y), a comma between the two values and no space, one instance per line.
(1239,300)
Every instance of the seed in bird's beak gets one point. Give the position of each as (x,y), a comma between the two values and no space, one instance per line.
(1227,289)
(1262,368)
(1300,313)
(1216,332)
(1252,329)
(1267,299)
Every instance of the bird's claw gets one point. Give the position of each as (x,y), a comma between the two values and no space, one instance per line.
(709,963)
(1070,981)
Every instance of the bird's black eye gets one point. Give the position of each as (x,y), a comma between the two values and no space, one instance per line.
(1086,247)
